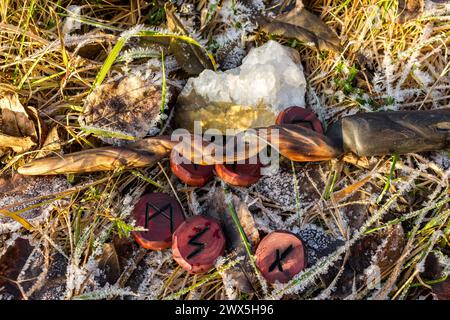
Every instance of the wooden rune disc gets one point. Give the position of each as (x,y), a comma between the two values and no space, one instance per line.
(161,214)
(197,244)
(280,256)
(191,174)
(242,175)
(300,116)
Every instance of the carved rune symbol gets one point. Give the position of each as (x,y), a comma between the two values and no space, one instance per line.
(279,258)
(200,245)
(159,211)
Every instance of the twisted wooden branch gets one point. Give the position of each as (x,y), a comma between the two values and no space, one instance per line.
(294,142)
(137,154)
(363,134)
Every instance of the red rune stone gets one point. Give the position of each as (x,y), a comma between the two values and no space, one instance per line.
(161,215)
(197,243)
(242,175)
(300,116)
(191,174)
(280,256)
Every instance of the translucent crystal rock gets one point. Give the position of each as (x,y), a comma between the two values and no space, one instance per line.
(269,80)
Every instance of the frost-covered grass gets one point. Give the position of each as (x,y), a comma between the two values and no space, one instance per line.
(53,57)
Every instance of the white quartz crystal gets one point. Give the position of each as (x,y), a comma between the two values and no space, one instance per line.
(270,79)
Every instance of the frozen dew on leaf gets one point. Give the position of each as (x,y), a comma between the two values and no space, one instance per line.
(124,109)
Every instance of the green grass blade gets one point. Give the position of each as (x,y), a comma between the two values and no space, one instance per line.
(389,180)
(112,56)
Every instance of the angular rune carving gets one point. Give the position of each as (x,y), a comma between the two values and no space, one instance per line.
(200,245)
(159,211)
(279,259)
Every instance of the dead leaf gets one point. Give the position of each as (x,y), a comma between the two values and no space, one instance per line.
(357,212)
(114,258)
(20,128)
(391,249)
(434,268)
(11,264)
(442,290)
(52,143)
(247,221)
(17,144)
(15,119)
(352,158)
(191,58)
(381,249)
(409,10)
(302,25)
(124,109)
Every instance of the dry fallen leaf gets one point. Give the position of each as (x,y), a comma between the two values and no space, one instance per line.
(191,58)
(20,128)
(391,249)
(52,143)
(11,264)
(442,290)
(121,110)
(17,144)
(409,10)
(347,191)
(115,258)
(302,25)
(381,250)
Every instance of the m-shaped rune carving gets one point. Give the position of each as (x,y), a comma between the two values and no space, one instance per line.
(159,211)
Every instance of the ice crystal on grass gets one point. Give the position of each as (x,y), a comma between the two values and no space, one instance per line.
(151,283)
(108,291)
(237,17)
(133,31)
(26,195)
(228,281)
(72,22)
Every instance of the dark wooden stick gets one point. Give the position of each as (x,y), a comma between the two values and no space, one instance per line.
(382,133)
